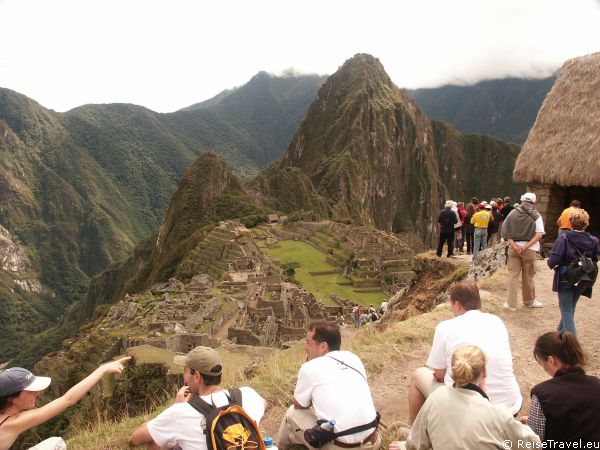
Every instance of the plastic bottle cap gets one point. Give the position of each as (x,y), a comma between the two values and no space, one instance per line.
(268,441)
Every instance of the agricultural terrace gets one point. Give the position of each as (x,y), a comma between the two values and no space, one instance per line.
(322,286)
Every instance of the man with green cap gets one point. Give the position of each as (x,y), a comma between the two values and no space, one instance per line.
(180,424)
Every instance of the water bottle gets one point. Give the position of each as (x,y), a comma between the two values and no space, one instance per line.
(269,443)
(328,425)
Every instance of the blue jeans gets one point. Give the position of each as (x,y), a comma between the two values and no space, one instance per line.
(567,300)
(479,240)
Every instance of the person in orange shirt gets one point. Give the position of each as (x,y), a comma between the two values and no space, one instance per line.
(564,222)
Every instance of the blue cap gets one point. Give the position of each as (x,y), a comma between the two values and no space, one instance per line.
(268,441)
(17,379)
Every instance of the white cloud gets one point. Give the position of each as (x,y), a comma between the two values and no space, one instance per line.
(169,54)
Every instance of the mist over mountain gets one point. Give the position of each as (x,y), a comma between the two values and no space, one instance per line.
(504,108)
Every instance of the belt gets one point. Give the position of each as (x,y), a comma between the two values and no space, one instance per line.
(371,439)
(566,229)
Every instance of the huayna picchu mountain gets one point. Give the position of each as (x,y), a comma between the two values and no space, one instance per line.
(373,158)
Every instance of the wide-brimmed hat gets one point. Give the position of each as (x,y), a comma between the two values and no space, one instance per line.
(17,379)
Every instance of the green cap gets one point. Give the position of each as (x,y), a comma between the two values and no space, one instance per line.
(202,359)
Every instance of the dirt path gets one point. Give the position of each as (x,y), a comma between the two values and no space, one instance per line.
(389,385)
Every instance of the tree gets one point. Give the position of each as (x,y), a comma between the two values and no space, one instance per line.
(289,269)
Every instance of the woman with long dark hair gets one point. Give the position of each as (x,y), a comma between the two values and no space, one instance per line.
(565,407)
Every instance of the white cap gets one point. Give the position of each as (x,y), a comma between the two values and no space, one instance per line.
(528,197)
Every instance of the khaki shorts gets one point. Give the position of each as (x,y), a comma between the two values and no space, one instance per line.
(425,382)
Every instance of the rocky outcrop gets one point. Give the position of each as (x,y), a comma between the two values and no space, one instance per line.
(14,261)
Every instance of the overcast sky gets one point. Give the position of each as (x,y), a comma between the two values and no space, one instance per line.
(168,54)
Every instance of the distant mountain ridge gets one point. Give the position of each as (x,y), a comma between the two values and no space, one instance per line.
(79,189)
(504,108)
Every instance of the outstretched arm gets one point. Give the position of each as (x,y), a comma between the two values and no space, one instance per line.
(34,417)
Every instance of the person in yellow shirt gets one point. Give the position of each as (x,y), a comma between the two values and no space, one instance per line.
(564,222)
(481,220)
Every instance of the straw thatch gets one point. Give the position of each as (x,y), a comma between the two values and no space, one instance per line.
(563,147)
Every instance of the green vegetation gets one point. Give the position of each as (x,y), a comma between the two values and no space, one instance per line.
(80,189)
(322,286)
(504,108)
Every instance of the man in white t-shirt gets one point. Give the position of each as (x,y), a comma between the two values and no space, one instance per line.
(471,326)
(332,386)
(523,228)
(181,425)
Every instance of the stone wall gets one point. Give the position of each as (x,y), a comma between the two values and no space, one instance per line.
(243,337)
(183,343)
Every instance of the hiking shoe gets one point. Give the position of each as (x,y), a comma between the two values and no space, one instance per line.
(507,307)
(535,304)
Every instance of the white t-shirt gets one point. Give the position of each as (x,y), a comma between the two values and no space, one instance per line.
(182,424)
(539,228)
(337,392)
(487,332)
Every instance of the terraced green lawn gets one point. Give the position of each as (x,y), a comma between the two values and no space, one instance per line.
(322,286)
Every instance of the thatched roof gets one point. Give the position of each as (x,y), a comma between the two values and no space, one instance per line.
(563,147)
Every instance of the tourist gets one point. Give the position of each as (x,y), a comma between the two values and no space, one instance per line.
(457,227)
(19,389)
(523,228)
(563,222)
(384,306)
(332,385)
(446,221)
(459,235)
(470,326)
(566,249)
(564,409)
(494,225)
(480,221)
(179,425)
(507,208)
(461,416)
(356,314)
(469,227)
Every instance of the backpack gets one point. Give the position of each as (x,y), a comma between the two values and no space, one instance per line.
(581,272)
(229,427)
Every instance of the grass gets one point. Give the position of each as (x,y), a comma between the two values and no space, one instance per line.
(380,348)
(322,286)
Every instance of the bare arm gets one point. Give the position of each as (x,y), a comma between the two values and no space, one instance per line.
(439,374)
(141,435)
(533,240)
(34,417)
(299,406)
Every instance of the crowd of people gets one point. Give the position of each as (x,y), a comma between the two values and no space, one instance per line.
(475,226)
(467,396)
